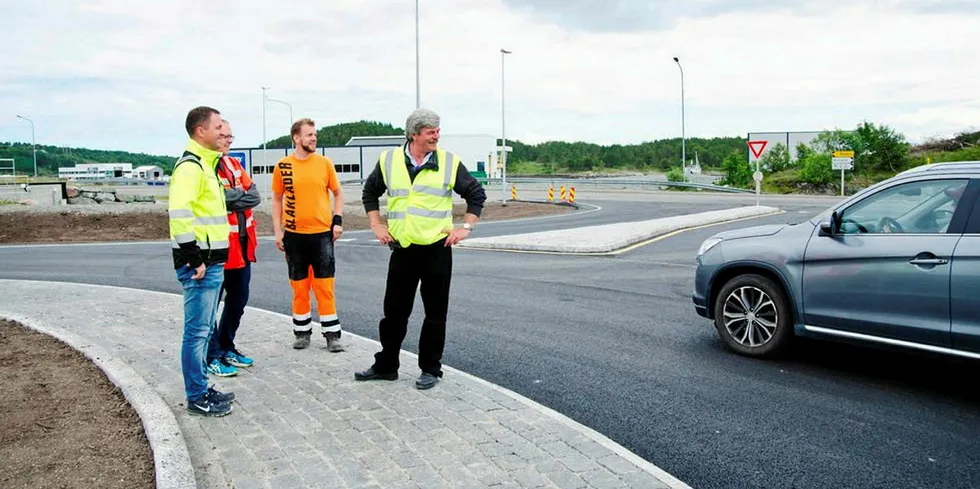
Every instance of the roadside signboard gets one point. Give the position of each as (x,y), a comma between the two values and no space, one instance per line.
(756,148)
(842,160)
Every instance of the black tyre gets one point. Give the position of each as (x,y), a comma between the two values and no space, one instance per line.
(753,317)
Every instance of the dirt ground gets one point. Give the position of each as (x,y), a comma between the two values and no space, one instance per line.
(64,424)
(67,224)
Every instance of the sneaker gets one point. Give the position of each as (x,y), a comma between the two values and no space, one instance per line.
(302,340)
(205,406)
(333,342)
(220,397)
(236,359)
(217,367)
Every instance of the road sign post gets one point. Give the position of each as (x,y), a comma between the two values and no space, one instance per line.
(842,160)
(756,148)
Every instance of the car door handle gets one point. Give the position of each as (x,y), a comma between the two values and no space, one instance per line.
(928,261)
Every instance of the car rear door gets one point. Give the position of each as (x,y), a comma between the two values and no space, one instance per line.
(965,286)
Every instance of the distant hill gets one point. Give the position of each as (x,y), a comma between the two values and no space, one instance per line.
(50,158)
(543,158)
(339,134)
(560,155)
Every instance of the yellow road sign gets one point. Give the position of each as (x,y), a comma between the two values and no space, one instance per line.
(843,154)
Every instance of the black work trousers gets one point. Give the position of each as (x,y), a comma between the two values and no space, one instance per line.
(433,266)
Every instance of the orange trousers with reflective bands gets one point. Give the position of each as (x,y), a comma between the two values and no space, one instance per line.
(310,260)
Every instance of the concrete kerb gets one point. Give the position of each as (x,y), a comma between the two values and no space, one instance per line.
(171,459)
(607,238)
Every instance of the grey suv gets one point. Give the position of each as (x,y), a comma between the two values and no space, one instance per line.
(897,264)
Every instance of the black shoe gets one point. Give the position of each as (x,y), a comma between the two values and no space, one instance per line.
(426,381)
(205,406)
(370,374)
(220,397)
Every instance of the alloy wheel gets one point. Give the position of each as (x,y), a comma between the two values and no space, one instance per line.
(750,316)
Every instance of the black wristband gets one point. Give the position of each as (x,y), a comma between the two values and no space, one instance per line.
(338,220)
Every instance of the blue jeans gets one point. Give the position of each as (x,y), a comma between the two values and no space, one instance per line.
(235,291)
(200,309)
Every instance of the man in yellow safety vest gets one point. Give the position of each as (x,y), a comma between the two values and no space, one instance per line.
(419,179)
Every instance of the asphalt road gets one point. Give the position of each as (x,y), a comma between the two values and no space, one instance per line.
(613,342)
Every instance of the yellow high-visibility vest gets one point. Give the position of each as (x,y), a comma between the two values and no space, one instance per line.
(419,212)
(197,204)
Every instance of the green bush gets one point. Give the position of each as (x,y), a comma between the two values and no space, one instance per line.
(676,174)
(816,169)
(776,159)
(738,173)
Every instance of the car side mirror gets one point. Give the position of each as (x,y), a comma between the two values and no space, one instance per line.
(830,227)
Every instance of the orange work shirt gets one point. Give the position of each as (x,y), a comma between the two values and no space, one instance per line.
(307,207)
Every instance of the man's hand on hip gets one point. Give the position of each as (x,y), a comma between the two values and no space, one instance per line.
(198,272)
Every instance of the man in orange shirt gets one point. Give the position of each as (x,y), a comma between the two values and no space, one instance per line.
(306,230)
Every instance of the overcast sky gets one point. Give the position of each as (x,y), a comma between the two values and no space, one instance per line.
(114,74)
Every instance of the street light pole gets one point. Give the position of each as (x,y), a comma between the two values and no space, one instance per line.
(683,136)
(263,117)
(33,143)
(291,120)
(503,131)
(418,75)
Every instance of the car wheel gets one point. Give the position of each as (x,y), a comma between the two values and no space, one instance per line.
(753,316)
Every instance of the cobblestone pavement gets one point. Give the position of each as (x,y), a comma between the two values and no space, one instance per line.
(301,420)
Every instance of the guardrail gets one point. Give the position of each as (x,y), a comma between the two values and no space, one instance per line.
(601,182)
(594,182)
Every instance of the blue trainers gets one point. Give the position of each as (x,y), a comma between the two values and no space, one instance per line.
(217,367)
(235,357)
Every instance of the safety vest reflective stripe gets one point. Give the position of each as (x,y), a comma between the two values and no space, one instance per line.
(415,211)
(184,238)
(181,214)
(435,191)
(249,222)
(208,220)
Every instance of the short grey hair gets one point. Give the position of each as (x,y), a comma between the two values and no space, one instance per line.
(419,119)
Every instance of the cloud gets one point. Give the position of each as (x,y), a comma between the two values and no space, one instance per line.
(105,74)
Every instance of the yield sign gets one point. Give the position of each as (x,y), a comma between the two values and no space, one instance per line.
(757,147)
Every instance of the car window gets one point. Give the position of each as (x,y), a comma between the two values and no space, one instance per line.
(916,207)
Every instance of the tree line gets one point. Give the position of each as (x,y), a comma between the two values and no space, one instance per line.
(50,158)
(880,152)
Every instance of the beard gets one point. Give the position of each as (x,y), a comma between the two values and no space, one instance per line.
(309,148)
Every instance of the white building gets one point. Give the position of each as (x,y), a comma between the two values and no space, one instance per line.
(148,172)
(96,171)
(356,160)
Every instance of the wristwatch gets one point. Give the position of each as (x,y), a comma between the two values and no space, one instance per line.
(467,226)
